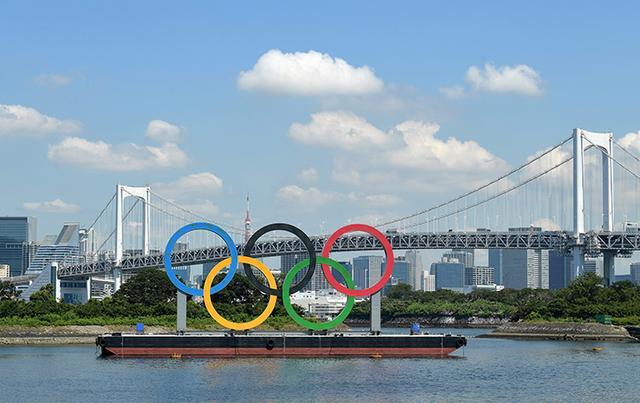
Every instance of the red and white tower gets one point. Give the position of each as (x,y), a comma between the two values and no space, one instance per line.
(247,223)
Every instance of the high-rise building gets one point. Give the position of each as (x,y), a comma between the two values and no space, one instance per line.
(522,268)
(5,270)
(634,273)
(428,282)
(464,256)
(17,241)
(365,269)
(63,248)
(593,265)
(525,268)
(416,269)
(495,261)
(479,275)
(448,275)
(401,271)
(318,280)
(559,269)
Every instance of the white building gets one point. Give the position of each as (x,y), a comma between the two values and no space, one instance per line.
(428,282)
(321,304)
(416,268)
(5,270)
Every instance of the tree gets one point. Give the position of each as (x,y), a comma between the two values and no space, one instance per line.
(8,291)
(149,287)
(44,294)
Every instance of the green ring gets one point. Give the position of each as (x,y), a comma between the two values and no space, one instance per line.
(286,298)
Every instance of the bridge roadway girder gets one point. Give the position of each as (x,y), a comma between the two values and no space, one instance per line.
(592,242)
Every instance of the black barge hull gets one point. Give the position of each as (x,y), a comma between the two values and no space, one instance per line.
(278,345)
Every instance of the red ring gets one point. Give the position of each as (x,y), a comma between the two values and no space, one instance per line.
(388,251)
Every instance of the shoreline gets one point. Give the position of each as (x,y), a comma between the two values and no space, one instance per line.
(561,331)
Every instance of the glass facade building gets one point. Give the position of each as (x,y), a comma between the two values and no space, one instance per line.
(366,269)
(17,241)
(448,275)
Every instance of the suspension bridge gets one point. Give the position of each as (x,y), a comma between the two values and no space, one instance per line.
(567,189)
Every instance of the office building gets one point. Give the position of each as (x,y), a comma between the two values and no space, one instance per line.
(428,282)
(525,268)
(416,269)
(449,275)
(366,269)
(478,275)
(5,270)
(521,268)
(559,269)
(634,273)
(464,256)
(17,242)
(401,271)
(318,280)
(593,265)
(62,248)
(495,261)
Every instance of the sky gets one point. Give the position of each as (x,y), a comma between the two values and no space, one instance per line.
(325,113)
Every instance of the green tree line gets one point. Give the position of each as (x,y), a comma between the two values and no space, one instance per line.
(581,301)
(149,297)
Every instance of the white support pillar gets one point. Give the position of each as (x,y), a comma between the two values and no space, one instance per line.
(119,241)
(376,313)
(145,221)
(181,319)
(375,273)
(88,289)
(607,210)
(54,269)
(117,279)
(578,202)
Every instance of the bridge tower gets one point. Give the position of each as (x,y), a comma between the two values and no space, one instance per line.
(583,140)
(122,192)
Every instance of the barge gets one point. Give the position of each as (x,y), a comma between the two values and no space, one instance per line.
(273,344)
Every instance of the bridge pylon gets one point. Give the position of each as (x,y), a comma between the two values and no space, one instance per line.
(582,141)
(122,192)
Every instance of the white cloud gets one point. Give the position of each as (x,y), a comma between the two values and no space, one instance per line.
(163,131)
(631,140)
(18,120)
(307,198)
(308,175)
(308,73)
(422,150)
(202,184)
(408,157)
(205,208)
(124,157)
(193,192)
(339,129)
(453,92)
(520,79)
(53,206)
(52,80)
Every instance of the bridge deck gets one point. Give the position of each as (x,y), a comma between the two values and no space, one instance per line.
(619,242)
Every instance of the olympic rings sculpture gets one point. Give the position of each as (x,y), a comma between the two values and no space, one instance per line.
(271,289)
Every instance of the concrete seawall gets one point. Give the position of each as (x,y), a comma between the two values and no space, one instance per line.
(561,331)
(21,335)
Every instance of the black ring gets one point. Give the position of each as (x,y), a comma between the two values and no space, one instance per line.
(280,227)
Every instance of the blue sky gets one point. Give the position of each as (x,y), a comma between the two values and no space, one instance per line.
(81,82)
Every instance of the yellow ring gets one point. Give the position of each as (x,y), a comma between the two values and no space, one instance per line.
(235,325)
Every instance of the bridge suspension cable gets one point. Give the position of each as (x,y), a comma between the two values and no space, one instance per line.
(492,197)
(195,215)
(480,188)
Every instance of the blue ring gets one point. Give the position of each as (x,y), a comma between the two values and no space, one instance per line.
(233,251)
